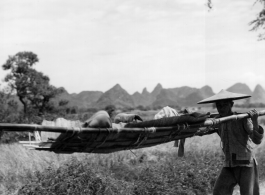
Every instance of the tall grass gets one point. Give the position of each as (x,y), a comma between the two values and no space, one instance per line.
(18,165)
(194,174)
(154,170)
(145,171)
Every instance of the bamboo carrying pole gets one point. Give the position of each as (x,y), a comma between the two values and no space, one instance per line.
(207,123)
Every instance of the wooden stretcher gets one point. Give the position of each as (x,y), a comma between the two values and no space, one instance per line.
(108,140)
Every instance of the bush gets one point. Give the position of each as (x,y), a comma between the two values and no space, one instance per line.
(74,177)
(194,174)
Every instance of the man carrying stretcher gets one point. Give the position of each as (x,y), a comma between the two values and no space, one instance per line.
(240,165)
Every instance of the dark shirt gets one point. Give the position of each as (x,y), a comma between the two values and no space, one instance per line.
(238,139)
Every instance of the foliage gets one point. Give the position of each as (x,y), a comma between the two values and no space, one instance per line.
(156,170)
(8,109)
(73,178)
(180,176)
(194,174)
(9,113)
(258,23)
(31,87)
(35,93)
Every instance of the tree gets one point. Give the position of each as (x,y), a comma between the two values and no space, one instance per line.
(31,87)
(258,23)
(9,113)
(8,109)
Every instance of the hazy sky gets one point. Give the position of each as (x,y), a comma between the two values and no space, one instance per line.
(95,44)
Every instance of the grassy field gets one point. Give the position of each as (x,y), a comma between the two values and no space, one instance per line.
(154,170)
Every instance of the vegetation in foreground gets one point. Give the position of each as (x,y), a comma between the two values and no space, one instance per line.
(156,170)
(153,172)
(168,176)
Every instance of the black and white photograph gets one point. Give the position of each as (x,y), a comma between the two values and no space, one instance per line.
(132,97)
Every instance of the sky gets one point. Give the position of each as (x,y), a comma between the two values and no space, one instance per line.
(96,44)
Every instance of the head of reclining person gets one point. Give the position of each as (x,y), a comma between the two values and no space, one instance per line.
(110,109)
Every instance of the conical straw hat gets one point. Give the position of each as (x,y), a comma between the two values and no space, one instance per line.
(223,95)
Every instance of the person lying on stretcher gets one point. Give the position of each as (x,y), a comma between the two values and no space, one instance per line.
(165,117)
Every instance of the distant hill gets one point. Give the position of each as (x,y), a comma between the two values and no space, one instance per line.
(165,98)
(89,98)
(184,96)
(116,96)
(183,92)
(157,90)
(198,95)
(138,99)
(207,91)
(240,88)
(258,95)
(85,99)
(144,99)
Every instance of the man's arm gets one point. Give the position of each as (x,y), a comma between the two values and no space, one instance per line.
(257,131)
